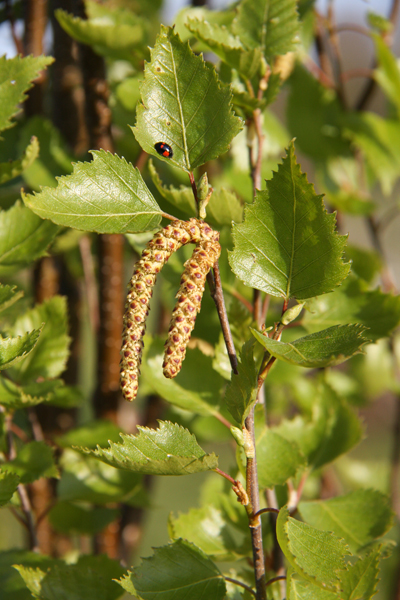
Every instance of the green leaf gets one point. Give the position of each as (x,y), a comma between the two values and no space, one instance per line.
(226,46)
(351,303)
(8,296)
(358,517)
(89,480)
(91,578)
(54,159)
(8,485)
(14,396)
(51,352)
(287,245)
(16,77)
(34,460)
(241,393)
(387,75)
(325,348)
(314,117)
(107,195)
(316,555)
(270,25)
(15,349)
(13,168)
(69,518)
(361,580)
(190,390)
(181,198)
(184,105)
(23,236)
(277,459)
(169,450)
(12,585)
(117,33)
(207,529)
(364,263)
(332,430)
(379,140)
(302,589)
(351,202)
(223,207)
(176,572)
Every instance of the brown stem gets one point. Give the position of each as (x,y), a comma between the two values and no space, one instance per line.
(243,585)
(225,475)
(222,420)
(27,510)
(266,510)
(255,521)
(21,489)
(217,295)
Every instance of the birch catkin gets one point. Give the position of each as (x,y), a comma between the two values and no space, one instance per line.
(189,296)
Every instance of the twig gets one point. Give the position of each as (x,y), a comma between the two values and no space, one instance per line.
(27,510)
(318,73)
(243,585)
(225,475)
(21,489)
(231,290)
(222,420)
(217,295)
(275,579)
(266,510)
(356,73)
(168,216)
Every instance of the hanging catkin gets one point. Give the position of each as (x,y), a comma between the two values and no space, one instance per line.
(189,296)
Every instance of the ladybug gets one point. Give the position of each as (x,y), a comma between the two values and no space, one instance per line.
(163,149)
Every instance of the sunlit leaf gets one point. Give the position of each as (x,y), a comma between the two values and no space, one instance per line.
(270,25)
(287,245)
(316,555)
(331,346)
(169,450)
(107,195)
(184,105)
